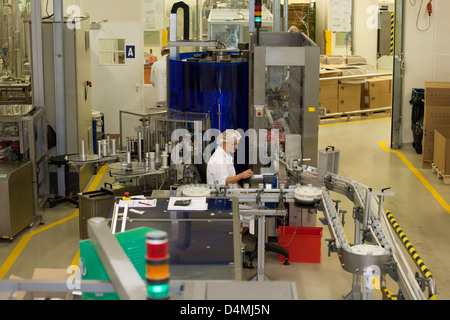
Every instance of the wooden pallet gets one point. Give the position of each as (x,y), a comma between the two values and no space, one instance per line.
(426,164)
(361,112)
(371,113)
(440,175)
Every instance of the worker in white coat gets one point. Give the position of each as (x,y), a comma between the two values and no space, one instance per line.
(220,168)
(158,77)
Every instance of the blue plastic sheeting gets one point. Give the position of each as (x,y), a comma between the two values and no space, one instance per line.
(211,87)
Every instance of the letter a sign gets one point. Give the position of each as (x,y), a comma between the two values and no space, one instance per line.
(131,52)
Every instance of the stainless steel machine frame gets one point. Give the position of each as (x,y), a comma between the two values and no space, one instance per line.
(32,138)
(293,61)
(146,128)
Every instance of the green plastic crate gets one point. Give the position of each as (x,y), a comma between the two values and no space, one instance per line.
(132,242)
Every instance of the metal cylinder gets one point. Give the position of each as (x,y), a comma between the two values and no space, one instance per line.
(152,161)
(99,148)
(109,144)
(147,159)
(165,160)
(113,147)
(105,148)
(157,153)
(83,155)
(140,146)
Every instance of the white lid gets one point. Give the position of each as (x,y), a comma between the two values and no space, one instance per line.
(307,193)
(196,191)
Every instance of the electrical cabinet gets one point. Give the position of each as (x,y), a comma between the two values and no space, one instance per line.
(16,197)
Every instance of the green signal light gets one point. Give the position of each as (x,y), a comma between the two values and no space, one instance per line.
(158,291)
(258,20)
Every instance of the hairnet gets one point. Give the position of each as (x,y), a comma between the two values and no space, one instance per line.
(165,48)
(228,136)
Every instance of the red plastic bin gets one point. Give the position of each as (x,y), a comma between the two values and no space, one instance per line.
(302,243)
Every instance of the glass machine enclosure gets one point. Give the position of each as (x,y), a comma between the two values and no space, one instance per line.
(230,26)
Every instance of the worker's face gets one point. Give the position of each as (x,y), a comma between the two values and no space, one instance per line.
(231,147)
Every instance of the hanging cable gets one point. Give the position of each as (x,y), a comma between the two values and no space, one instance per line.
(303,20)
(430,11)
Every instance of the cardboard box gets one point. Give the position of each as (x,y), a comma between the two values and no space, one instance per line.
(349,104)
(336,60)
(347,90)
(441,155)
(355,60)
(329,73)
(435,115)
(427,151)
(369,68)
(377,86)
(48,274)
(390,82)
(378,101)
(330,104)
(430,128)
(437,93)
(328,92)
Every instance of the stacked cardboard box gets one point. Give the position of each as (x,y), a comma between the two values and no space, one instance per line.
(436,123)
(377,93)
(328,91)
(349,97)
(441,154)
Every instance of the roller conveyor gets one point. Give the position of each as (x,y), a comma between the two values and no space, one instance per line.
(381,256)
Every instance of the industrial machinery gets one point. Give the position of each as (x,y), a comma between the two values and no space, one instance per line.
(230,26)
(15,54)
(23,137)
(284,94)
(269,89)
(281,120)
(16,197)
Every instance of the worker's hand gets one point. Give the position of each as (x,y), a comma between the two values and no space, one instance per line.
(246,174)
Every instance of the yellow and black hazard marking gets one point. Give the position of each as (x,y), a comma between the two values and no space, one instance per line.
(392,32)
(411,250)
(389,294)
(408,245)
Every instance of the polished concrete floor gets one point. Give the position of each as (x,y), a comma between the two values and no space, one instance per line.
(420,207)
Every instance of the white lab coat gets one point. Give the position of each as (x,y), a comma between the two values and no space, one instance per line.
(220,167)
(158,78)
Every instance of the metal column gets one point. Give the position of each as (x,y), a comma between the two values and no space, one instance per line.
(397,89)
(60,102)
(37,53)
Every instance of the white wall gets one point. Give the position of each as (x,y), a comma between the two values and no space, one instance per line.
(427,54)
(365,32)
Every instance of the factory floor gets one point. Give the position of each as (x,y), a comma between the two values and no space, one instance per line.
(420,207)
